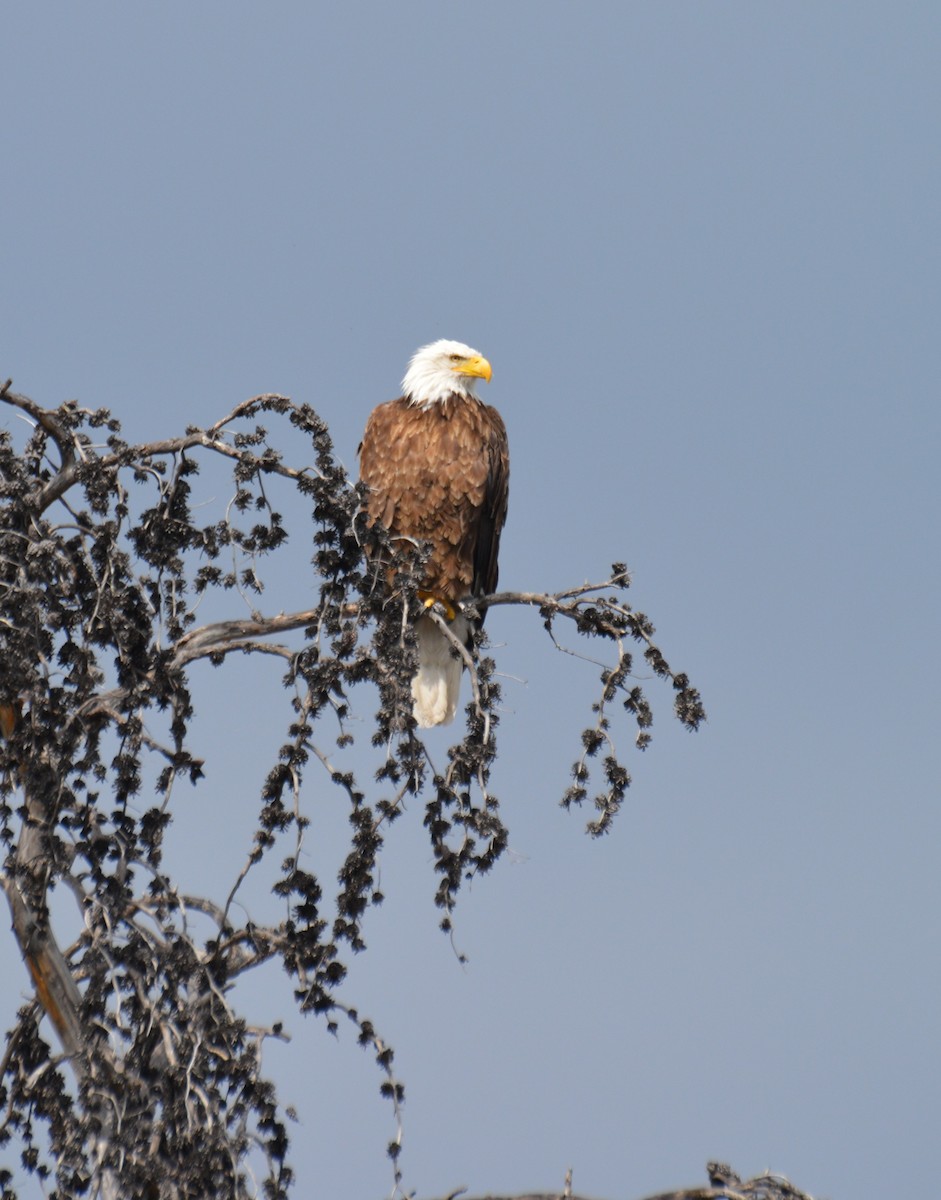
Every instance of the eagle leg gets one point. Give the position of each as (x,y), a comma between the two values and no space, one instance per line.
(429,599)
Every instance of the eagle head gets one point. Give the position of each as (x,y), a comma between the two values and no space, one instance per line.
(441,369)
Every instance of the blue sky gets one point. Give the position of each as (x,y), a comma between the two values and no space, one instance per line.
(700,246)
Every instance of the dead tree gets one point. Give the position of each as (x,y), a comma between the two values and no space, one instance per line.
(111,591)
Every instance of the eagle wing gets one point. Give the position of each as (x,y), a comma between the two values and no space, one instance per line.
(492,512)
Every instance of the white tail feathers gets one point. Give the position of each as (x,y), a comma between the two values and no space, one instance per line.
(437,684)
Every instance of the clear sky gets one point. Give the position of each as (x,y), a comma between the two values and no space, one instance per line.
(700,245)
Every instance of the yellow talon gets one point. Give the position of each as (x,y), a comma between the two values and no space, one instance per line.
(429,599)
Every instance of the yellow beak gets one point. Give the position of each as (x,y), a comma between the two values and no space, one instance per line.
(476,366)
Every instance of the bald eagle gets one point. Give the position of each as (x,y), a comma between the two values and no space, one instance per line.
(436,464)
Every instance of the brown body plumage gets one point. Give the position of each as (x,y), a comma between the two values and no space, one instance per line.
(436,462)
(440,475)
(9,718)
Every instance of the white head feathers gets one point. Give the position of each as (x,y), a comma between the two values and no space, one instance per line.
(444,368)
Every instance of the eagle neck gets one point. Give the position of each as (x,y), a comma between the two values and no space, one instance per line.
(442,403)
